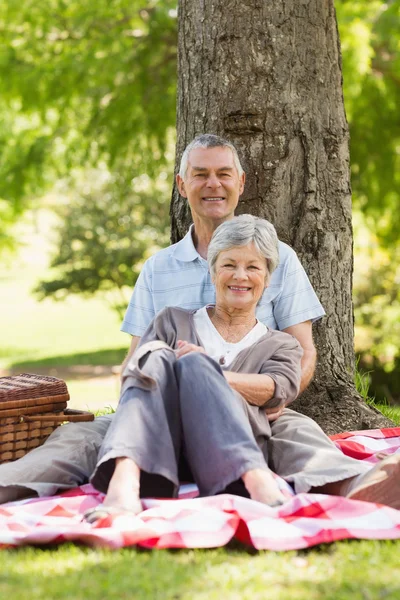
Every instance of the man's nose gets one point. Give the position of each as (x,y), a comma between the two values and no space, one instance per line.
(213,181)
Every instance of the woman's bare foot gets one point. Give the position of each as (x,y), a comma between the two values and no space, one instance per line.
(124,487)
(262,487)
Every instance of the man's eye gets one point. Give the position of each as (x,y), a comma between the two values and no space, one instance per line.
(227,266)
(254,268)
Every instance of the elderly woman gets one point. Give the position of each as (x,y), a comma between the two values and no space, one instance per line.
(180,414)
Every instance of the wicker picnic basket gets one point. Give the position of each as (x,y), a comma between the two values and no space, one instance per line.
(31,408)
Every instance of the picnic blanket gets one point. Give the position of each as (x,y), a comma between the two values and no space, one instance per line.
(189,522)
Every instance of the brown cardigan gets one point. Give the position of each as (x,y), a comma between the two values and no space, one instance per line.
(276,353)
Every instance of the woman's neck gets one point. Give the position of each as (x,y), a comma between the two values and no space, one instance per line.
(233,325)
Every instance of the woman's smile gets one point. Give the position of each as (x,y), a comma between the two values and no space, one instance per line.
(240,277)
(238,289)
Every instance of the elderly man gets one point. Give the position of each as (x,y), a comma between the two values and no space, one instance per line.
(212,180)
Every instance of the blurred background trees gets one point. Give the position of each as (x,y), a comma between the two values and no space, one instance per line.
(87,115)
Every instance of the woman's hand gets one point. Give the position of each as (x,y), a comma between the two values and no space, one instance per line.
(184,347)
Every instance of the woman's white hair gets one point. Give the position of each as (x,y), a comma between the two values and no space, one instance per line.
(208,140)
(241,231)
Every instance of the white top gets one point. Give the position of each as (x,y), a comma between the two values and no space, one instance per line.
(215,345)
(179,276)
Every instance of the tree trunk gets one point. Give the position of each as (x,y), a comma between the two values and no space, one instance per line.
(267,76)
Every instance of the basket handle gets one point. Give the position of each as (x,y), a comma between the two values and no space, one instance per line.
(69,415)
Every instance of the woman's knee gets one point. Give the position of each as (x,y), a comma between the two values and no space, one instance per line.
(197,361)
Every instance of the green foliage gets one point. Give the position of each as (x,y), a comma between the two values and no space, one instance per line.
(370,40)
(376,297)
(106,232)
(83,82)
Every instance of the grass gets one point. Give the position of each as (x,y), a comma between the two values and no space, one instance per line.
(391,412)
(68,332)
(106,357)
(362,381)
(357,570)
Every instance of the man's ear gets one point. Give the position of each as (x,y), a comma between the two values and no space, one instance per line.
(181,186)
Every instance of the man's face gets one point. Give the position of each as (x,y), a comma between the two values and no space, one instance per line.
(212,184)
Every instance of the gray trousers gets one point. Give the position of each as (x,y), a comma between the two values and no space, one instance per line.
(190,413)
(296,448)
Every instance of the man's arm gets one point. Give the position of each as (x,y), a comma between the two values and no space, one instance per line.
(278,378)
(303,334)
(134,344)
(256,389)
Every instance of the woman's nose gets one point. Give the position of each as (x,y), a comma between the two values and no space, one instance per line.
(240,273)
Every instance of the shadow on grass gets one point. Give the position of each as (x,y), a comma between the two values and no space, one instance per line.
(76,365)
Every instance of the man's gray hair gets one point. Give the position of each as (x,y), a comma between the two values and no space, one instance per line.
(208,140)
(241,231)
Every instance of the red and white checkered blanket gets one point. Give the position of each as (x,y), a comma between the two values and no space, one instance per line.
(303,521)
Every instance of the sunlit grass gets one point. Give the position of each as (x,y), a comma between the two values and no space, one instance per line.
(356,570)
(39,331)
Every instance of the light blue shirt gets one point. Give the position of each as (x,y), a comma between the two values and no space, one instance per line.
(179,276)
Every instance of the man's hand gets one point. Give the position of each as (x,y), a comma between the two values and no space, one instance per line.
(274,413)
(184,347)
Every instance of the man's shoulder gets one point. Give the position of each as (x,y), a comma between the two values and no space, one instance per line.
(286,252)
(161,257)
(288,263)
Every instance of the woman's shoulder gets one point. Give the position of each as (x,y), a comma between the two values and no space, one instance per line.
(175,314)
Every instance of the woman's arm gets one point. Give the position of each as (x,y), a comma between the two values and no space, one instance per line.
(278,381)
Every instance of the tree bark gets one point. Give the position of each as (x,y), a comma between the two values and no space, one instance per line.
(267,76)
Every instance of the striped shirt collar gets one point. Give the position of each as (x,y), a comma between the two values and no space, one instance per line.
(185,249)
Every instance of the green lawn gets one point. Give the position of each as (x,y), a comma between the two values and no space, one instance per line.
(48,333)
(356,570)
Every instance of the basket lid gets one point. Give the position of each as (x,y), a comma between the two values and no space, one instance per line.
(28,387)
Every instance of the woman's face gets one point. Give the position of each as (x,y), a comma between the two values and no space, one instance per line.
(240,277)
